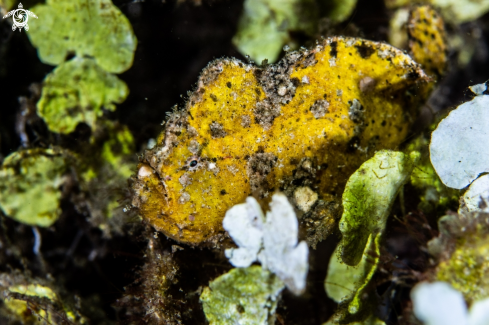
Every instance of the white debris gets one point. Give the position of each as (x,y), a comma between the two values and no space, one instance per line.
(271,241)
(477,196)
(478,89)
(458,148)
(144,171)
(305,198)
(244,223)
(479,313)
(439,304)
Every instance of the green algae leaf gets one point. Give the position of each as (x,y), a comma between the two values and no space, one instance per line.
(246,296)
(434,194)
(339,10)
(348,283)
(6,5)
(94,28)
(29,186)
(371,320)
(118,148)
(77,91)
(368,197)
(265,25)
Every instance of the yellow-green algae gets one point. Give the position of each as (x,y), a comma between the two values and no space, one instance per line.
(264,27)
(29,186)
(319,113)
(368,197)
(246,296)
(78,91)
(339,10)
(434,194)
(467,268)
(371,320)
(38,304)
(94,28)
(109,159)
(348,284)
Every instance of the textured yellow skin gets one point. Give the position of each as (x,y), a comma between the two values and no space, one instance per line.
(427,43)
(390,105)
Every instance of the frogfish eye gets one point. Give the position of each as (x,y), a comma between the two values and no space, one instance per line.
(193,163)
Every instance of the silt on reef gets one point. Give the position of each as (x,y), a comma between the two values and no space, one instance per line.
(308,121)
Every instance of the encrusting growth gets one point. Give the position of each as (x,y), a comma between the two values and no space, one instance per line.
(311,120)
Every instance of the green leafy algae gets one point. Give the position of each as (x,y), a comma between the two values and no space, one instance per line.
(246,296)
(348,283)
(371,320)
(109,159)
(467,267)
(94,28)
(368,197)
(77,91)
(434,194)
(265,25)
(29,186)
(339,10)
(117,148)
(30,302)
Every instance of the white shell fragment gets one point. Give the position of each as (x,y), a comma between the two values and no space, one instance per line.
(244,223)
(479,313)
(477,196)
(271,241)
(458,149)
(305,198)
(439,304)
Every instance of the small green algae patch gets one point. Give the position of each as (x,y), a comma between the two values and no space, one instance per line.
(467,269)
(117,148)
(6,5)
(246,296)
(94,28)
(368,197)
(265,25)
(109,159)
(20,309)
(348,283)
(34,303)
(29,186)
(434,194)
(78,91)
(371,320)
(339,10)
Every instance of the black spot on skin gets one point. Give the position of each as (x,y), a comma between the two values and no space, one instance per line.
(223,192)
(214,97)
(383,123)
(365,51)
(258,92)
(334,51)
(413,75)
(295,81)
(352,145)
(228,84)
